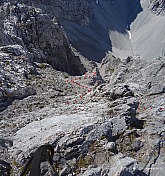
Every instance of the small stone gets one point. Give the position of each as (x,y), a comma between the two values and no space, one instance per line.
(137,145)
(71,152)
(110,146)
(57,157)
(64,171)
(93,171)
(57,148)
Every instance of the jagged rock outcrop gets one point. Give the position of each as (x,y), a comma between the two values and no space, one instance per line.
(139,75)
(145,79)
(16,68)
(39,34)
(104,122)
(158,6)
(29,35)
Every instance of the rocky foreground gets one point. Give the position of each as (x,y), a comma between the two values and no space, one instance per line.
(105,122)
(104,118)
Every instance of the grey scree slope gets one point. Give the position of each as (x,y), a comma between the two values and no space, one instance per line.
(124,27)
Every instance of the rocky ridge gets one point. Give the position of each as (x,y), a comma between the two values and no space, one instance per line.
(113,123)
(107,121)
(40,35)
(26,39)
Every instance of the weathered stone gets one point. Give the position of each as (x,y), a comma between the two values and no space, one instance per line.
(71,152)
(15,50)
(137,144)
(120,91)
(5,144)
(93,171)
(122,166)
(64,171)
(74,141)
(110,130)
(110,146)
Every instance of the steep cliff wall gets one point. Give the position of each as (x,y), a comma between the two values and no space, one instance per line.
(124,27)
(42,36)
(93,27)
(107,28)
(28,35)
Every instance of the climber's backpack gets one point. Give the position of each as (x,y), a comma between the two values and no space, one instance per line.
(43,153)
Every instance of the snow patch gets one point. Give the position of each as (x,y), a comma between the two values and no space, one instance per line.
(130,35)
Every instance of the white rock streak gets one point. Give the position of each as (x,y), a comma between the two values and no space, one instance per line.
(130,35)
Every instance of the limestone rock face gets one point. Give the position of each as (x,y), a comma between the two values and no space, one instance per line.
(39,34)
(28,35)
(119,165)
(101,121)
(15,71)
(75,11)
(140,75)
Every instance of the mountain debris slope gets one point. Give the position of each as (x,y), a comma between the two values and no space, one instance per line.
(104,118)
(112,124)
(147,31)
(123,27)
(40,35)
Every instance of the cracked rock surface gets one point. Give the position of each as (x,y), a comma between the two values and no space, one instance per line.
(103,119)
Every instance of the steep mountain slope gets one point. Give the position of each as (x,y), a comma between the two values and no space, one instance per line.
(104,118)
(124,27)
(148,31)
(107,28)
(37,33)
(109,25)
(117,123)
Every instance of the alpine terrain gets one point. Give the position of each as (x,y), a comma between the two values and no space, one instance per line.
(82,87)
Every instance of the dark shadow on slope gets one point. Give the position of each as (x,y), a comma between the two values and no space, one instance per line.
(4,104)
(127,173)
(86,40)
(93,40)
(136,123)
(5,168)
(134,8)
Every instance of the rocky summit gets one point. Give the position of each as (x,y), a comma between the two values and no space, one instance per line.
(87,77)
